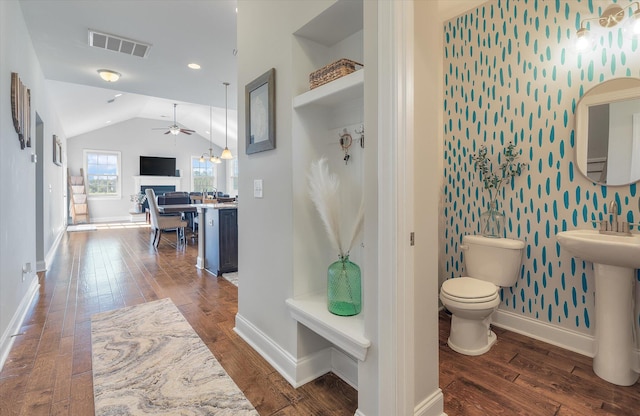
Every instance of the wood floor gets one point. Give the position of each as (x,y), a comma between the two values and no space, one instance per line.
(48,371)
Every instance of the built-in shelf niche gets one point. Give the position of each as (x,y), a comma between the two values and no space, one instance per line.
(318,117)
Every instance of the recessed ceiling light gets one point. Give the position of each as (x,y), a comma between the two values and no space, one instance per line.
(108,121)
(117,95)
(194,66)
(109,75)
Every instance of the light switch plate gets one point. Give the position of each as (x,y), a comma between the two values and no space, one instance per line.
(257,188)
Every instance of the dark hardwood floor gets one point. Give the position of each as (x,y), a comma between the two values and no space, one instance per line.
(48,371)
(524,376)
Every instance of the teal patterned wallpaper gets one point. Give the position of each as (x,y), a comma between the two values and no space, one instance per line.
(512,74)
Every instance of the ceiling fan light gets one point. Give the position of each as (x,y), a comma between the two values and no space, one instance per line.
(109,75)
(226,154)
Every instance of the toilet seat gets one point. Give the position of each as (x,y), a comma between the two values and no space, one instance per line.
(469,290)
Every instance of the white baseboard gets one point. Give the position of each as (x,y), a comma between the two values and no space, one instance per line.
(302,370)
(280,359)
(122,218)
(431,406)
(551,334)
(16,321)
(43,266)
(344,366)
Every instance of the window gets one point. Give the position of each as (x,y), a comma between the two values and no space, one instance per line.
(232,182)
(103,173)
(203,175)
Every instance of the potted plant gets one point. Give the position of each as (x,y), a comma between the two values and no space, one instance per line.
(492,220)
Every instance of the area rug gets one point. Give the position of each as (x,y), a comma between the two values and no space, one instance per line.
(231,277)
(81,227)
(148,360)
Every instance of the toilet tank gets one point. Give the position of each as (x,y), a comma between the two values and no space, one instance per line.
(495,260)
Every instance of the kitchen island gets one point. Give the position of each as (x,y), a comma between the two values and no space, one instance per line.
(218,237)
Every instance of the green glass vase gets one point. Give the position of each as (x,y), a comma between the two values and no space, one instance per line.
(344,288)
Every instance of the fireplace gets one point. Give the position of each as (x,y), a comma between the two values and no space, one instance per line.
(159,184)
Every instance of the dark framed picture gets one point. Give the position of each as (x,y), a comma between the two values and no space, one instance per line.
(57,151)
(260,113)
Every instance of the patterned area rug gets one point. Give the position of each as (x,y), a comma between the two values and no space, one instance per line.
(231,277)
(148,360)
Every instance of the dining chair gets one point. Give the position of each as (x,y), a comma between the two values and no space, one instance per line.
(160,222)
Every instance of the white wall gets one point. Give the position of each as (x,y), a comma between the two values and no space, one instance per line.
(265,225)
(18,176)
(134,138)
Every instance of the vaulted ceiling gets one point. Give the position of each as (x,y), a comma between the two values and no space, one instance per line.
(180,32)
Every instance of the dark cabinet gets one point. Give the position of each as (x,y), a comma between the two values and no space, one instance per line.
(221,248)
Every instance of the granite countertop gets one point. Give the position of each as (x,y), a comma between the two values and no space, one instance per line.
(224,205)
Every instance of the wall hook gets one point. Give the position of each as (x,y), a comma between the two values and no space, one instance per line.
(345,142)
(361,133)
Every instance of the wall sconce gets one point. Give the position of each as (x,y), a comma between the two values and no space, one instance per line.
(109,75)
(611,17)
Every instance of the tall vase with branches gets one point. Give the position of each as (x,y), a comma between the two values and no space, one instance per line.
(492,220)
(344,287)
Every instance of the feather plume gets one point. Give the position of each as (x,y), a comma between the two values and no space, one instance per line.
(323,189)
(357,226)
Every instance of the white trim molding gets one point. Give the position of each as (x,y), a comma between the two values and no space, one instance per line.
(551,334)
(431,406)
(6,342)
(298,371)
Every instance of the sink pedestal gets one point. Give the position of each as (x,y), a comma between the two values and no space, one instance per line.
(614,359)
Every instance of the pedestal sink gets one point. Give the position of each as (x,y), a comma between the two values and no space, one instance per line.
(614,258)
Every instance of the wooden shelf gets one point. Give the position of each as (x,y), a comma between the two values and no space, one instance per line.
(333,93)
(346,332)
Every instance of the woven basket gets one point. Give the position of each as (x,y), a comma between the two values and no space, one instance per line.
(332,72)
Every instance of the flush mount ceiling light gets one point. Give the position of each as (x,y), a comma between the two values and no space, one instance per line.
(109,75)
(212,158)
(613,15)
(226,153)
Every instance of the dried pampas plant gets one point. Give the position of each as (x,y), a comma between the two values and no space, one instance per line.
(324,190)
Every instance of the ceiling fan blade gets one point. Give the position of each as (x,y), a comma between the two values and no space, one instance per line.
(168,132)
(187,130)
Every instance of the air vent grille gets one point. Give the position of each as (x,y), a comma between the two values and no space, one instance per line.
(118,44)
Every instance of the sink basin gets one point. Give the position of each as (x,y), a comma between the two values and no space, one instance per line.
(614,259)
(613,250)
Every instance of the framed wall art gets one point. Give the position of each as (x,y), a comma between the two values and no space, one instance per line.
(21,110)
(260,113)
(57,151)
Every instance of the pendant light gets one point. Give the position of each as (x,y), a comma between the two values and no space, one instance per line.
(226,153)
(212,158)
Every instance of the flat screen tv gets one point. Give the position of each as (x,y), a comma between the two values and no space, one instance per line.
(157,166)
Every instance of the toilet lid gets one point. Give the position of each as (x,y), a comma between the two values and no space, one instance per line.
(468,289)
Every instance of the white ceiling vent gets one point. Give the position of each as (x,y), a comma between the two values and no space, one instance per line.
(118,44)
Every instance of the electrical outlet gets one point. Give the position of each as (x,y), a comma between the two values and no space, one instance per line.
(26,270)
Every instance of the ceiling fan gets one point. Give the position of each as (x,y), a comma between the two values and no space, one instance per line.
(174,128)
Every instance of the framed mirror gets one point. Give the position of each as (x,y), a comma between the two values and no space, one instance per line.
(608,132)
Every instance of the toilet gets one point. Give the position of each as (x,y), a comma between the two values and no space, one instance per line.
(490,263)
